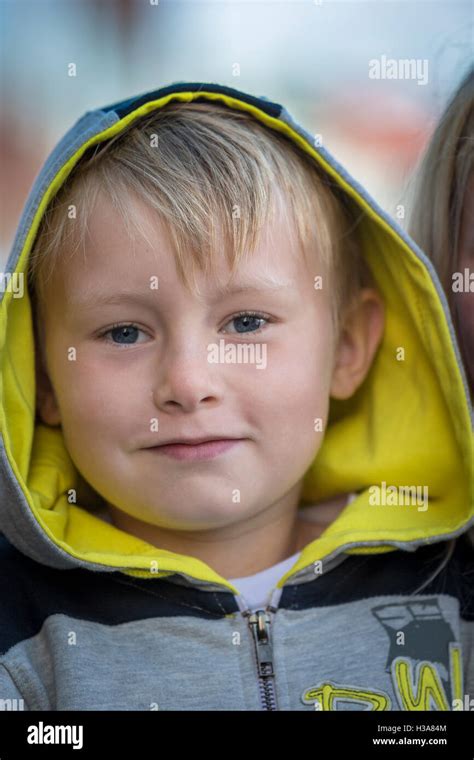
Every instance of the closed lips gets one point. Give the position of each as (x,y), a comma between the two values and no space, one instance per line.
(195,441)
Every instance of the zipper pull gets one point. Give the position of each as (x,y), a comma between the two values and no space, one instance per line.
(259,623)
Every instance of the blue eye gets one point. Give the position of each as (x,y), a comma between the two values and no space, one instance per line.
(126,334)
(248,320)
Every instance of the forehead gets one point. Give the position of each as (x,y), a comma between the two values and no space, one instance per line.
(114,261)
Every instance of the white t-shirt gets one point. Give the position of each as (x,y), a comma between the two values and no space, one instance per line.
(256,589)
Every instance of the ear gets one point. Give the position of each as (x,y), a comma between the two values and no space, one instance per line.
(46,404)
(359,338)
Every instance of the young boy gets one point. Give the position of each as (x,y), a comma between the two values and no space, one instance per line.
(252,447)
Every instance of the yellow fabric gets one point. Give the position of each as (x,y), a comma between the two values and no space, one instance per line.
(408,424)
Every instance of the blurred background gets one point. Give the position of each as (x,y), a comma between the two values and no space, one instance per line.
(334,65)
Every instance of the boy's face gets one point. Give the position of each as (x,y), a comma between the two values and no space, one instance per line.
(109,397)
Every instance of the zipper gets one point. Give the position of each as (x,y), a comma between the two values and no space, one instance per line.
(260,623)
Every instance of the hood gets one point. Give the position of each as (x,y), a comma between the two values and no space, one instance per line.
(409,424)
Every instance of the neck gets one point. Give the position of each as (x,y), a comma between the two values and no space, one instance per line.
(243,548)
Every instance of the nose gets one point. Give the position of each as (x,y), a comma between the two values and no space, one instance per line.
(185,379)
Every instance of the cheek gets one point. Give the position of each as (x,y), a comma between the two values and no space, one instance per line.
(290,411)
(295,386)
(92,395)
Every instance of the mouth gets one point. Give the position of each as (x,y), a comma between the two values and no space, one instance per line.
(193,452)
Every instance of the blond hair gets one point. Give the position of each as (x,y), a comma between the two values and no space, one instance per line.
(441,184)
(213,175)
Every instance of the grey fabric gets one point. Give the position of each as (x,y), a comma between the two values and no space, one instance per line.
(179,663)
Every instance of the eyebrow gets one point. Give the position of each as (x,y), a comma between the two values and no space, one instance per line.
(93,299)
(258,284)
